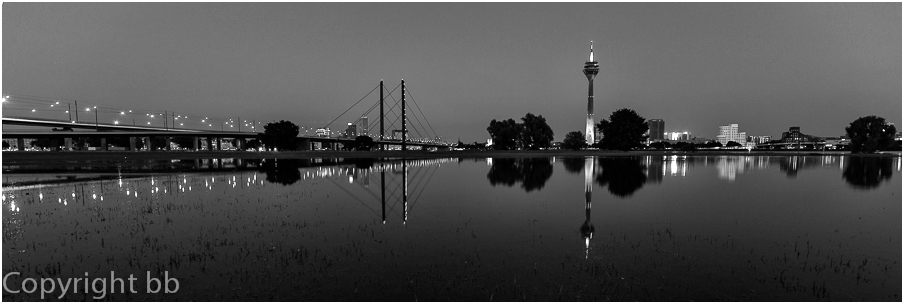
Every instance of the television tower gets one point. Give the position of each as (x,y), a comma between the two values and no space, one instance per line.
(591,68)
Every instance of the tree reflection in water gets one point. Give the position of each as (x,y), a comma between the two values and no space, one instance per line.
(531,172)
(573,164)
(282,171)
(867,172)
(623,175)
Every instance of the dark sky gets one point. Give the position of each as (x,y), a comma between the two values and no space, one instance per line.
(765,66)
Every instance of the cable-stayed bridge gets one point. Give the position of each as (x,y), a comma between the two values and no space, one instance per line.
(91,126)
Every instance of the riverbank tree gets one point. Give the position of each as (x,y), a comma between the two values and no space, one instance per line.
(624,130)
(532,133)
(870,134)
(280,135)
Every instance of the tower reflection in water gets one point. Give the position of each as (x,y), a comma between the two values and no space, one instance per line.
(587,228)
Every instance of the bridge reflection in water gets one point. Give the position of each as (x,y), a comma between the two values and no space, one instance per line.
(402,182)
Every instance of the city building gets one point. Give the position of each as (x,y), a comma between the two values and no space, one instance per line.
(322,132)
(730,133)
(657,129)
(362,125)
(683,136)
(351,131)
(794,135)
(591,68)
(759,139)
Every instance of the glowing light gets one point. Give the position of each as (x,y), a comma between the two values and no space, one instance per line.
(115,122)
(32,110)
(122,113)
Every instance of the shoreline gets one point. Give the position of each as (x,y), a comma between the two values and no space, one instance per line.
(16,156)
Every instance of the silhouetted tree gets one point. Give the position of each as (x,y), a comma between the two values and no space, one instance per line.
(504,133)
(364,143)
(535,133)
(623,175)
(689,147)
(574,140)
(281,135)
(711,144)
(253,144)
(623,131)
(870,134)
(5,145)
(661,145)
(867,172)
(732,144)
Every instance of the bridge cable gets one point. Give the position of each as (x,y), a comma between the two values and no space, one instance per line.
(424,186)
(349,108)
(419,110)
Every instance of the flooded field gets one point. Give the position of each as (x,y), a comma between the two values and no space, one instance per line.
(640,228)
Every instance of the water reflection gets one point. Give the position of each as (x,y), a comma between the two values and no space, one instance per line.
(587,228)
(315,225)
(282,171)
(868,172)
(623,175)
(531,172)
(573,164)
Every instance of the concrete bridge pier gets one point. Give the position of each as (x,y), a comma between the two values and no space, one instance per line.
(194,144)
(20,144)
(209,144)
(150,142)
(240,144)
(132,143)
(103,144)
(67,142)
(219,143)
(166,143)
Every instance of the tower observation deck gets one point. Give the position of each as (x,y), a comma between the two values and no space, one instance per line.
(591,68)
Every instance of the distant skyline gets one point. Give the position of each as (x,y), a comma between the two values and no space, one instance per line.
(698,66)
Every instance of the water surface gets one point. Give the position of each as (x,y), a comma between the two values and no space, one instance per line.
(648,228)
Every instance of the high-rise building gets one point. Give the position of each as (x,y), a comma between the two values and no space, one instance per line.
(730,133)
(362,125)
(351,131)
(591,68)
(657,129)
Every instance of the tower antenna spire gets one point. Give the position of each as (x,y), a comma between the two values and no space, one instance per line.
(591,50)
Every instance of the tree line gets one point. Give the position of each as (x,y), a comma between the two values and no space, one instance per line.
(626,130)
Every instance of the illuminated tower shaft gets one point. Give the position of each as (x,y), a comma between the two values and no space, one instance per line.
(591,68)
